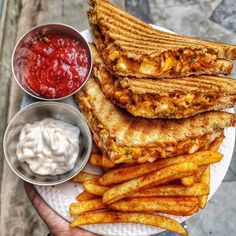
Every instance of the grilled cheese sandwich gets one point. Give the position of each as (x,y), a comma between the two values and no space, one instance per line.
(124,138)
(131,47)
(165,98)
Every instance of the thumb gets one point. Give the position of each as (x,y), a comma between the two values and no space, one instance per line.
(56,224)
(51,218)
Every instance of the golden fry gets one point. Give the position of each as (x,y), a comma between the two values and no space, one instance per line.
(205,179)
(119,217)
(90,205)
(107,163)
(83,176)
(93,187)
(197,189)
(164,175)
(84,196)
(203,201)
(127,173)
(188,180)
(181,206)
(96,159)
(200,172)
(216,144)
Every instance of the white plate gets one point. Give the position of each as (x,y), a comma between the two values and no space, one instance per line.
(61,196)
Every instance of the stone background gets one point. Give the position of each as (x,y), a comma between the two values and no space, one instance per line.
(209,19)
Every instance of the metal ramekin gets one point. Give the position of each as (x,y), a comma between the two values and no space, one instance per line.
(35,112)
(26,40)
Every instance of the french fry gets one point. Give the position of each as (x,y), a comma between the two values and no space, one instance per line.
(90,205)
(83,176)
(93,187)
(216,144)
(200,172)
(188,180)
(197,189)
(119,217)
(181,206)
(203,201)
(107,163)
(162,176)
(84,196)
(95,159)
(205,179)
(127,173)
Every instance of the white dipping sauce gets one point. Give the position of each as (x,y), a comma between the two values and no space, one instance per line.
(49,146)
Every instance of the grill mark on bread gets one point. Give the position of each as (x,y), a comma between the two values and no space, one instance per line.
(114,19)
(112,12)
(169,86)
(190,84)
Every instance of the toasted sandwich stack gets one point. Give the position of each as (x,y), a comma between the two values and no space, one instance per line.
(154,94)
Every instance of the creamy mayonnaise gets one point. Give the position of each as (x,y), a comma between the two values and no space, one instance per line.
(49,146)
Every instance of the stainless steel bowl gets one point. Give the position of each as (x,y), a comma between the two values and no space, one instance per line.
(35,112)
(25,42)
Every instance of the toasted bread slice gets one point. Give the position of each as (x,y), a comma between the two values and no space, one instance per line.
(165,98)
(131,47)
(124,138)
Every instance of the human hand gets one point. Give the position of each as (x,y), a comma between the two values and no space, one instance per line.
(56,224)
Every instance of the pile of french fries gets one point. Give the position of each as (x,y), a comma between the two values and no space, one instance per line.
(176,186)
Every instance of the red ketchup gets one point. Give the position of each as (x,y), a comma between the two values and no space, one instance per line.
(57,65)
